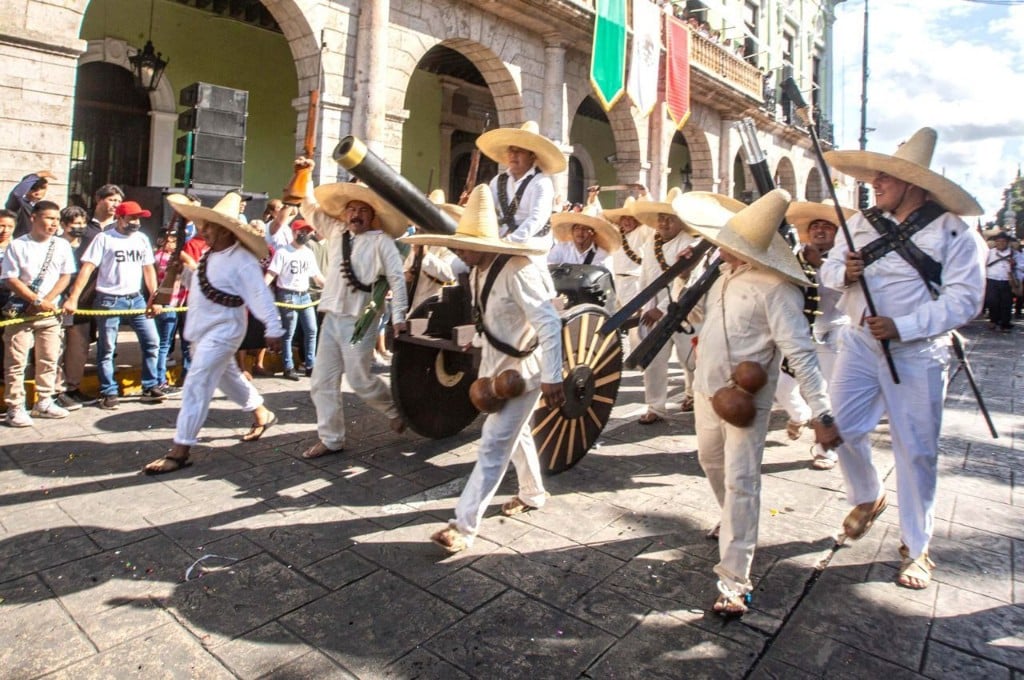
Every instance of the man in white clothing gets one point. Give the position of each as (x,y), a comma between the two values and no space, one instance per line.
(36,269)
(229,279)
(626,261)
(752,313)
(429,268)
(359,227)
(518,329)
(582,238)
(925,269)
(1000,265)
(524,193)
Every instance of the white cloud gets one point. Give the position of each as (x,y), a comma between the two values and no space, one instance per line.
(952,65)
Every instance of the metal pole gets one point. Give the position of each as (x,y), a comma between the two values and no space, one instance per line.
(862,189)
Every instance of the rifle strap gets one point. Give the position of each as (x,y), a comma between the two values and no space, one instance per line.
(508,210)
(480,304)
(590,256)
(897,238)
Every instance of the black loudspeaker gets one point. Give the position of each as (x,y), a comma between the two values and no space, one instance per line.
(212,122)
(210,173)
(207,96)
(213,147)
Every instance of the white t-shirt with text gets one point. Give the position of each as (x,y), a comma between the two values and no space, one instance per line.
(119,259)
(294,267)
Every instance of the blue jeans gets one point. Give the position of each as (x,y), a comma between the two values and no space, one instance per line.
(166,324)
(290,318)
(145,331)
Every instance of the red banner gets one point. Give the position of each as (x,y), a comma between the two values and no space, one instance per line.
(677,71)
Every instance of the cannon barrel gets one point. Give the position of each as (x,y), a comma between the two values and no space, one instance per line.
(371,169)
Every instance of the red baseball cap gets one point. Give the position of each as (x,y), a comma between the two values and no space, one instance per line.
(131,209)
(299,225)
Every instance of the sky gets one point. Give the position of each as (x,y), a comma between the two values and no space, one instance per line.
(953,65)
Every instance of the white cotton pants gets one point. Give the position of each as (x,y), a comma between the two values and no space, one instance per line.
(787,395)
(626,288)
(731,459)
(213,366)
(861,391)
(336,356)
(505,437)
(656,373)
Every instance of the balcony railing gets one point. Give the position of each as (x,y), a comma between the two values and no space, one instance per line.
(715,60)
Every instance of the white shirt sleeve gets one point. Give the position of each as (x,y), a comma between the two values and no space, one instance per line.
(528,288)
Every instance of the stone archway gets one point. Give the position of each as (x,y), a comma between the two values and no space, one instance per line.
(702,160)
(814,189)
(785,177)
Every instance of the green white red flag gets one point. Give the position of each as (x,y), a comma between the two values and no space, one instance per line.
(608,63)
(677,71)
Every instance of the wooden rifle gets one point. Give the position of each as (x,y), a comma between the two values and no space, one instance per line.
(474,167)
(298,187)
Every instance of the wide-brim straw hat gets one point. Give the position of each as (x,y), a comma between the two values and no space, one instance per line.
(334,198)
(801,213)
(224,214)
(628,209)
(495,143)
(707,209)
(751,234)
(438,198)
(910,163)
(606,236)
(647,211)
(477,230)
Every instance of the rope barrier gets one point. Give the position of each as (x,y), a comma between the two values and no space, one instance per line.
(128,312)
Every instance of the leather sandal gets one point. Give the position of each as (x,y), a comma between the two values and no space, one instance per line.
(650,418)
(450,539)
(794,429)
(257,429)
(915,574)
(730,603)
(516,506)
(862,517)
(319,450)
(162,466)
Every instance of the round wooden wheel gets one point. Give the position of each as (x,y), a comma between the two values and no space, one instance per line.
(591,370)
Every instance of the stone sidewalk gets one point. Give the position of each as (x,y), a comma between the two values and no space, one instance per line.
(255,563)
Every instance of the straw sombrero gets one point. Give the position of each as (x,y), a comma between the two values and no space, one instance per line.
(911,164)
(334,198)
(750,234)
(495,143)
(647,211)
(706,208)
(801,213)
(628,209)
(453,210)
(606,236)
(224,214)
(478,230)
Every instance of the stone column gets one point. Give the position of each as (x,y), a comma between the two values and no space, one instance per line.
(728,143)
(163,126)
(554,122)
(335,112)
(660,141)
(369,115)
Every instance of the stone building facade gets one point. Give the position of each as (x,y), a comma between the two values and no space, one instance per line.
(529,61)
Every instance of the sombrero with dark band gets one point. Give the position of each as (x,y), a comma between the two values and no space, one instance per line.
(334,198)
(224,214)
(606,236)
(801,213)
(910,163)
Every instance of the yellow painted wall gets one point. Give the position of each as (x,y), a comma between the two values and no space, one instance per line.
(421,135)
(201,46)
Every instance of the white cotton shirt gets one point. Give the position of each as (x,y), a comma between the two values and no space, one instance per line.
(534,210)
(517,310)
(830,317)
(281,239)
(565,252)
(374,254)
(435,271)
(235,271)
(897,288)
(119,259)
(25,257)
(997,264)
(637,239)
(294,266)
(651,269)
(754,315)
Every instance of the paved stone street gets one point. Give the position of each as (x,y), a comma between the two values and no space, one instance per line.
(323,569)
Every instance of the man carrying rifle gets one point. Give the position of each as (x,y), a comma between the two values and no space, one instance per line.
(753,317)
(926,270)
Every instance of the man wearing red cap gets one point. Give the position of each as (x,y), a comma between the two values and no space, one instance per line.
(122,258)
(294,266)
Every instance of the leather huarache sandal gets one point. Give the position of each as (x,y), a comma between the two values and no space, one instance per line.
(650,418)
(862,517)
(686,405)
(450,539)
(257,429)
(318,450)
(730,603)
(516,506)
(915,574)
(162,466)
